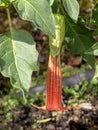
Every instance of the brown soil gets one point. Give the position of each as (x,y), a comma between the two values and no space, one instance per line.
(84,117)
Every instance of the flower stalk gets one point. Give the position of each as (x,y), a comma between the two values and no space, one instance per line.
(9,20)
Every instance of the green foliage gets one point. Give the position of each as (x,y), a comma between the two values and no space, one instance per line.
(38,99)
(94,19)
(6,2)
(55,6)
(93,50)
(18,57)
(72,8)
(94,22)
(37,12)
(13,100)
(96,73)
(0,2)
(80,92)
(79,39)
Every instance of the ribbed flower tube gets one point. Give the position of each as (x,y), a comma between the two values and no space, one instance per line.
(54,85)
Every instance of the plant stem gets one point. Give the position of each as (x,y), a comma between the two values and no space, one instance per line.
(9,20)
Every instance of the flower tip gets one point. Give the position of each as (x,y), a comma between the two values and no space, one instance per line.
(68,107)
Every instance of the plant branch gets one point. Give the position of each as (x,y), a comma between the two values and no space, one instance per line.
(9,20)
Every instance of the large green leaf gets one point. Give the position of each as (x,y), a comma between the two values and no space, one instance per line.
(72,8)
(18,58)
(79,39)
(38,12)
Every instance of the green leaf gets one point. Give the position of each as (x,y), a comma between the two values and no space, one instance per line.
(55,6)
(72,8)
(93,50)
(38,12)
(79,39)
(94,19)
(5,2)
(18,58)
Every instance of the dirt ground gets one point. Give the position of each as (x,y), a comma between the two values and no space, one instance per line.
(82,117)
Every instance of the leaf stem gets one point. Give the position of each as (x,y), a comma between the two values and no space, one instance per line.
(9,20)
